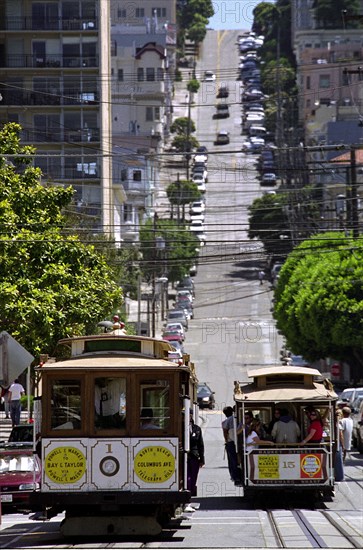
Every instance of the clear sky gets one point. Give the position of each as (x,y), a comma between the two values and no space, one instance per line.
(233,14)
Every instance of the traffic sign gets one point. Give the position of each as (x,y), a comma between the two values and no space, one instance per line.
(335,369)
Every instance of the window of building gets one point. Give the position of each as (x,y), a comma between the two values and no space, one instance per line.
(324,81)
(140,74)
(136,176)
(160,74)
(140,12)
(159,12)
(121,13)
(127,212)
(123,174)
(157,113)
(120,75)
(150,74)
(345,79)
(308,82)
(149,114)
(110,403)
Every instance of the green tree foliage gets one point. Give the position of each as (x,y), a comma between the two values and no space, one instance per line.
(197,31)
(51,285)
(185,144)
(193,85)
(180,126)
(179,253)
(191,11)
(182,192)
(329,13)
(268,221)
(319,299)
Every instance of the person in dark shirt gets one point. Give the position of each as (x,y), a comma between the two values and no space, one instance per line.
(195,455)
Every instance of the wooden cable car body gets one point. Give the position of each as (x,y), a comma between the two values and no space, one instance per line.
(287,466)
(112,420)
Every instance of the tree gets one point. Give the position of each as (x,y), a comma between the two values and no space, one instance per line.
(319,299)
(197,31)
(182,192)
(329,13)
(189,11)
(179,253)
(185,144)
(180,126)
(52,285)
(268,221)
(193,86)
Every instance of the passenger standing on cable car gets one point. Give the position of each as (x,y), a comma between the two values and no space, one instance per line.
(195,455)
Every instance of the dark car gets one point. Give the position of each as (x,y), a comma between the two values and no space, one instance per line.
(223,91)
(222,138)
(23,433)
(205,396)
(186,284)
(20,474)
(222,111)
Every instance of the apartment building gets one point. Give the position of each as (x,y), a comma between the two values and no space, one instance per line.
(54,74)
(143,48)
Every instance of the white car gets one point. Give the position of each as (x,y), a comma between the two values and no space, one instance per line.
(197,225)
(209,76)
(197,207)
(201,157)
(198,178)
(269,178)
(202,187)
(199,216)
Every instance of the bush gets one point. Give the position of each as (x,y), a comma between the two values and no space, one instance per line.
(193,85)
(24,402)
(178,76)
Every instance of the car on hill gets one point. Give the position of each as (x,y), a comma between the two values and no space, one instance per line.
(269,178)
(197,207)
(205,396)
(223,91)
(209,76)
(177,315)
(222,111)
(222,138)
(20,475)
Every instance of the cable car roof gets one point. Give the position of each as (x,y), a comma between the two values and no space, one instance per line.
(285,383)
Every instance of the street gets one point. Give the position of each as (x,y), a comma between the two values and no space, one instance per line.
(232,331)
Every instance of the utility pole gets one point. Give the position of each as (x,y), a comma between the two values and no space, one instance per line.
(153,283)
(188,154)
(353,192)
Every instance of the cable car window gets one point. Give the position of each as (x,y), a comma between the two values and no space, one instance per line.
(110,403)
(66,405)
(154,404)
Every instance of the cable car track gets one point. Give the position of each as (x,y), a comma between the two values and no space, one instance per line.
(311,529)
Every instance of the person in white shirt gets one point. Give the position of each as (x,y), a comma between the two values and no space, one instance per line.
(16,390)
(346,425)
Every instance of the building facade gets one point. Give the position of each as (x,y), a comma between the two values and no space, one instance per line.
(54,74)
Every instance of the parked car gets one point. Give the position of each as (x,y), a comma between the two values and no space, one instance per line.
(269,178)
(22,433)
(205,396)
(348,396)
(195,217)
(175,327)
(197,207)
(200,157)
(179,316)
(222,138)
(17,468)
(275,270)
(172,335)
(359,428)
(181,293)
(198,178)
(186,284)
(356,417)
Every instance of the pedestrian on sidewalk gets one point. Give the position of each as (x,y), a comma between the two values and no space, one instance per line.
(5,396)
(261,276)
(16,390)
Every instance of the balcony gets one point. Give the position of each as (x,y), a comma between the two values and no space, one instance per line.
(59,135)
(47,97)
(47,24)
(135,187)
(50,61)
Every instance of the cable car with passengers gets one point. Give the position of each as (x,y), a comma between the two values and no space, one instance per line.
(112,426)
(297,465)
